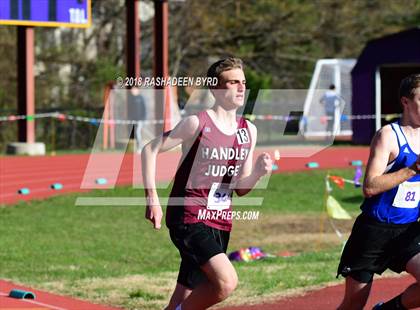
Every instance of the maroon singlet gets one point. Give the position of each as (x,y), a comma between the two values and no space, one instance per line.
(202,188)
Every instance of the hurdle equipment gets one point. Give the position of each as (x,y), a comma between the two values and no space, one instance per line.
(312,165)
(101,181)
(20,294)
(356,163)
(56,186)
(24,191)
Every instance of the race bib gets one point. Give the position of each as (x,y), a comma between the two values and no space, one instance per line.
(408,195)
(243,136)
(220,197)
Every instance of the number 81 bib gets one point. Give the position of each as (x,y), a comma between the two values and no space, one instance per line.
(408,195)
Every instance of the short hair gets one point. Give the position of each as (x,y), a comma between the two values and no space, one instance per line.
(223,65)
(408,85)
(332,86)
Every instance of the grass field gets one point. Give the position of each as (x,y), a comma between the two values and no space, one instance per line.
(111,255)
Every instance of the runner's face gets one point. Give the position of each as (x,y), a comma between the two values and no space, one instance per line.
(412,108)
(230,91)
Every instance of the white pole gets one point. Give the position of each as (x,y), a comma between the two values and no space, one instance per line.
(378,111)
(310,96)
(337,83)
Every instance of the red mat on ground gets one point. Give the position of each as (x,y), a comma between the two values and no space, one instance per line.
(43,300)
(330,297)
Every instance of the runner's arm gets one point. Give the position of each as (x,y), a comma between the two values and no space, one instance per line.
(250,175)
(383,148)
(184,131)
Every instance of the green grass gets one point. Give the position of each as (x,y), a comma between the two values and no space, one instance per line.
(276,274)
(303,192)
(145,295)
(53,239)
(111,254)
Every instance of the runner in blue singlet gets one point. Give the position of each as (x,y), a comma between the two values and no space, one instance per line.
(386,235)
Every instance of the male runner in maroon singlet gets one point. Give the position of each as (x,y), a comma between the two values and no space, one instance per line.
(217,159)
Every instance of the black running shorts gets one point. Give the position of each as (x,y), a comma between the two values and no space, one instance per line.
(197,243)
(375,246)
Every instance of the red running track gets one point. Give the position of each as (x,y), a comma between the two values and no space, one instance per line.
(330,297)
(43,300)
(38,173)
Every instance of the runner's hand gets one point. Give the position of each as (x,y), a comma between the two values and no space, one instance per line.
(264,164)
(154,214)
